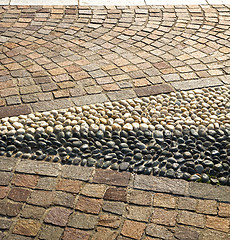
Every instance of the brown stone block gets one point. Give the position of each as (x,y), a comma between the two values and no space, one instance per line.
(133,229)
(68,185)
(164,200)
(75,234)
(58,216)
(111,177)
(104,234)
(116,194)
(224,210)
(89,205)
(164,217)
(218,223)
(27,227)
(107,220)
(19,194)
(10,111)
(3,192)
(153,90)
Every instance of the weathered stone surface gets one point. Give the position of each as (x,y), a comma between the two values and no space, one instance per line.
(111,177)
(7,164)
(89,205)
(5,178)
(133,229)
(50,232)
(72,233)
(201,190)
(160,184)
(82,221)
(77,172)
(158,231)
(27,227)
(58,216)
(41,168)
(116,194)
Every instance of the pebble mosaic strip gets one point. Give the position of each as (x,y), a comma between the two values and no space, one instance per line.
(178,135)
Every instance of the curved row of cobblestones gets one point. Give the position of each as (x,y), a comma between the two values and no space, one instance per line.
(72,51)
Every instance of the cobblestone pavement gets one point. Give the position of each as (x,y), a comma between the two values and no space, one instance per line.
(56,57)
(48,201)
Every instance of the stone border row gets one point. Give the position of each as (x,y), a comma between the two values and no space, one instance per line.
(120,179)
(62,103)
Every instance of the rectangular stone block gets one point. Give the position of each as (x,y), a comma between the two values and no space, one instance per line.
(77,172)
(7,164)
(160,184)
(53,104)
(90,99)
(5,178)
(192,219)
(82,221)
(111,177)
(207,191)
(10,111)
(123,94)
(153,90)
(192,84)
(40,168)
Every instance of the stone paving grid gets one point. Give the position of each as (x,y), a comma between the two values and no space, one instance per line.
(170,209)
(50,201)
(56,57)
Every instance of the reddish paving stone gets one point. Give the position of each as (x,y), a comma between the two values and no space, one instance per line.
(89,205)
(133,229)
(75,234)
(111,177)
(116,194)
(153,90)
(19,194)
(27,227)
(3,192)
(58,216)
(164,217)
(68,185)
(10,111)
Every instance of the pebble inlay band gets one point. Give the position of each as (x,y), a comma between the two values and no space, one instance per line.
(178,135)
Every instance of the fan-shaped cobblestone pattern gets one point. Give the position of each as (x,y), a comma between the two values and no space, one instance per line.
(60,52)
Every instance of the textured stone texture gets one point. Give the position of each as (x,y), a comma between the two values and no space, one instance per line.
(111,177)
(27,227)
